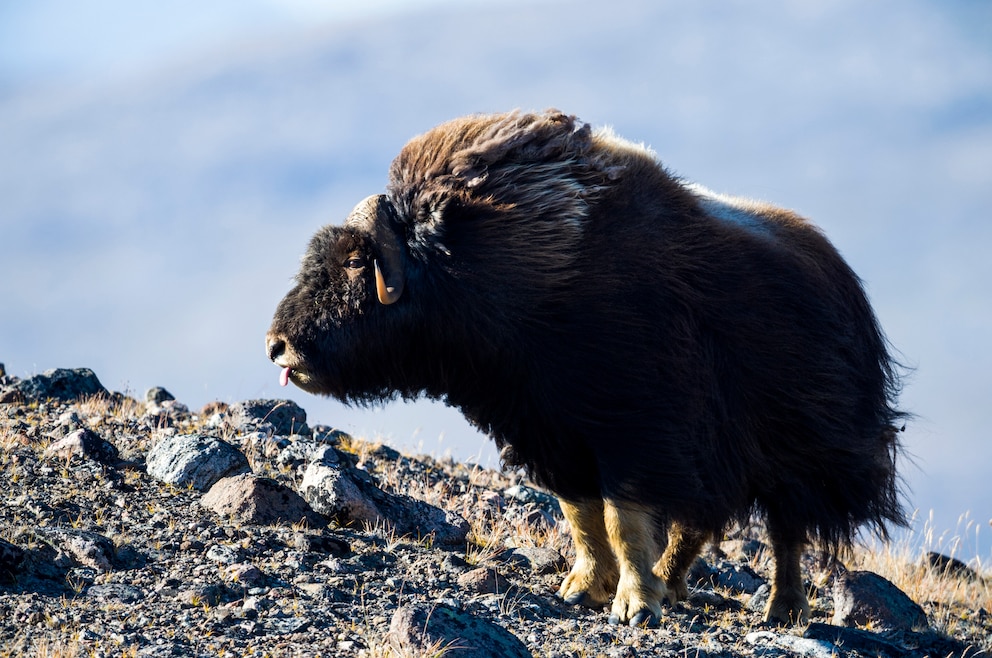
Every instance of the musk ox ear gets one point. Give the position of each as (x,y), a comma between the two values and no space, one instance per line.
(376,217)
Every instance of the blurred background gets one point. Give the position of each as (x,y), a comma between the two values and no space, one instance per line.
(163,165)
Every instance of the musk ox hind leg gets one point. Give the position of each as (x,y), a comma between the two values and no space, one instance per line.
(683,547)
(631,530)
(788,603)
(593,578)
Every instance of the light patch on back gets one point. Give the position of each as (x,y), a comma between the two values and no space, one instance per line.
(753,216)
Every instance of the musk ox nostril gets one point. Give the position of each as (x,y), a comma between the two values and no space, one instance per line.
(274,347)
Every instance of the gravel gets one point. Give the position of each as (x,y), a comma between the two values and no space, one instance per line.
(99,556)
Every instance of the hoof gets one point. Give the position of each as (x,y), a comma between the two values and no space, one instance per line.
(583,599)
(644,618)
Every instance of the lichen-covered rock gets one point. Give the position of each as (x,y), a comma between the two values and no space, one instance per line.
(420,629)
(250,498)
(331,491)
(194,460)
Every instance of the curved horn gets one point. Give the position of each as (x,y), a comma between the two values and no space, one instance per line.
(376,216)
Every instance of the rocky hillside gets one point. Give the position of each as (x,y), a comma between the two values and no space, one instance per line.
(140,528)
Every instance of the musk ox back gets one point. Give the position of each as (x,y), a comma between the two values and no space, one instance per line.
(665,359)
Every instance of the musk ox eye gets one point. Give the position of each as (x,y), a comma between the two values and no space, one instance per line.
(355,263)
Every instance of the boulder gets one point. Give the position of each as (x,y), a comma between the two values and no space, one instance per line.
(250,498)
(863,597)
(194,460)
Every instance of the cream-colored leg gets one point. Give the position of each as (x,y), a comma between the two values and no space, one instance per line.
(631,531)
(593,578)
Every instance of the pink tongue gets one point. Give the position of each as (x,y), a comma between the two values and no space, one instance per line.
(284,376)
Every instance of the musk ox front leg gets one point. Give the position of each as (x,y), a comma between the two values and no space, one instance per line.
(593,578)
(631,530)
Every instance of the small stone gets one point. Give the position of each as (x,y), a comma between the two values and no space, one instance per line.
(225,554)
(244,574)
(119,592)
(483,581)
(210,594)
(737,577)
(313,543)
(84,443)
(158,395)
(194,460)
(539,560)
(285,416)
(524,494)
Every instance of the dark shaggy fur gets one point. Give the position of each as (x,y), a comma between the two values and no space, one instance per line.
(663,359)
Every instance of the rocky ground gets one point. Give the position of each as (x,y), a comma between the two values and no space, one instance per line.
(139,528)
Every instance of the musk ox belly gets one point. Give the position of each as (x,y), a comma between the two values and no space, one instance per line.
(553,453)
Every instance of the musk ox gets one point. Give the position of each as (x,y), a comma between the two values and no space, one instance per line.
(665,359)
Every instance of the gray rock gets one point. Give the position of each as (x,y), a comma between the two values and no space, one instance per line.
(194,460)
(736,577)
(225,554)
(759,599)
(158,395)
(350,496)
(86,548)
(483,580)
(412,517)
(853,639)
(61,384)
(799,646)
(84,443)
(524,494)
(116,592)
(536,559)
(285,416)
(862,597)
(420,629)
(330,490)
(297,453)
(314,543)
(329,435)
(950,566)
(250,498)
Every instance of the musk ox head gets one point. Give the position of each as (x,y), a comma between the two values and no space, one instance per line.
(346,274)
(480,219)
